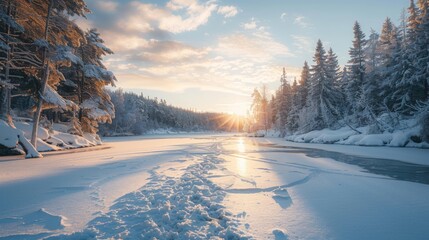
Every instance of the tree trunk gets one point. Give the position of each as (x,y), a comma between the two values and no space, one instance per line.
(3,104)
(5,90)
(45,78)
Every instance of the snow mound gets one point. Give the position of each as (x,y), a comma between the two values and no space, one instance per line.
(40,219)
(323,136)
(8,136)
(27,128)
(53,140)
(45,219)
(279,234)
(182,207)
(408,136)
(48,140)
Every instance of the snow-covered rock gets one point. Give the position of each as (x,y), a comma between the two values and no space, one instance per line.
(48,140)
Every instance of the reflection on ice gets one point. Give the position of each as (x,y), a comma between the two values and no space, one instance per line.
(241,147)
(241,162)
(241,166)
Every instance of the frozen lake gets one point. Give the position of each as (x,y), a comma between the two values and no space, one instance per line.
(202,186)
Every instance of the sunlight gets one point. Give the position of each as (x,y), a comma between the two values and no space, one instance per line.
(241,147)
(241,166)
(231,122)
(241,162)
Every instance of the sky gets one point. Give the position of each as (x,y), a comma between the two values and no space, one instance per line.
(209,55)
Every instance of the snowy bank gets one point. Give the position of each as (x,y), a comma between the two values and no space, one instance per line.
(13,139)
(407,137)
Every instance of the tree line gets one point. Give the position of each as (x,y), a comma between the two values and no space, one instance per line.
(137,114)
(385,81)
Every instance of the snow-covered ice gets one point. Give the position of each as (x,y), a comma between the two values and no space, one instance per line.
(203,186)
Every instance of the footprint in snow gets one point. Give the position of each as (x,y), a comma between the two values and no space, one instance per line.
(279,234)
(281,196)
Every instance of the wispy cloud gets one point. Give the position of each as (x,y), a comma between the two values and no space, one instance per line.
(250,25)
(108,6)
(228,11)
(283,17)
(303,43)
(149,56)
(301,21)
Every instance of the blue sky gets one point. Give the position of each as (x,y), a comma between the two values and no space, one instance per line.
(209,55)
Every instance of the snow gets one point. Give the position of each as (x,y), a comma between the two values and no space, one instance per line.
(48,140)
(92,105)
(170,207)
(65,54)
(51,96)
(217,186)
(94,71)
(398,138)
(27,127)
(10,138)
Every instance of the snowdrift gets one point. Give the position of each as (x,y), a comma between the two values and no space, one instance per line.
(405,137)
(53,139)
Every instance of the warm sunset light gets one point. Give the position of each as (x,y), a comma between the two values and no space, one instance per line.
(216,51)
(214,119)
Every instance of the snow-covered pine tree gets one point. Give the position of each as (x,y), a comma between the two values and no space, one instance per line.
(376,87)
(257,111)
(408,82)
(12,57)
(356,76)
(324,98)
(293,116)
(371,56)
(9,28)
(95,103)
(52,28)
(303,87)
(284,103)
(334,79)
(273,108)
(420,86)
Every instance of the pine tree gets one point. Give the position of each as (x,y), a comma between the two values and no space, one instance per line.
(293,116)
(8,28)
(409,79)
(55,30)
(376,87)
(371,52)
(95,104)
(356,76)
(284,103)
(303,86)
(324,98)
(421,85)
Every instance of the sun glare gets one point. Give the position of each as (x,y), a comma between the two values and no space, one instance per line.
(231,122)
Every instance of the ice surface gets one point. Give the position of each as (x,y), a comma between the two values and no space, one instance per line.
(214,186)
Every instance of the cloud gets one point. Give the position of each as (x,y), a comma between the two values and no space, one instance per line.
(108,6)
(283,17)
(301,21)
(303,43)
(169,52)
(227,11)
(148,55)
(250,25)
(258,46)
(196,15)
